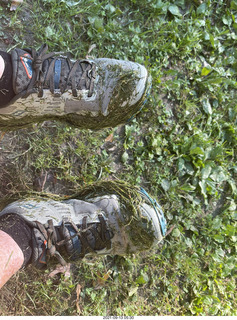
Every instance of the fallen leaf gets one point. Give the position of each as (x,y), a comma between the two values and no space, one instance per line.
(110,138)
(102,279)
(15,4)
(93,46)
(61,269)
(2,135)
(78,291)
(132,291)
(170,230)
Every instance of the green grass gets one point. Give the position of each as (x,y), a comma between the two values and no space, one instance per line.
(181,148)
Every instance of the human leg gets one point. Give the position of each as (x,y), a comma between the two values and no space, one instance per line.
(6,86)
(91,94)
(2,66)
(11,257)
(15,245)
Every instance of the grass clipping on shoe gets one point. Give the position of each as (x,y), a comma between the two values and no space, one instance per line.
(138,227)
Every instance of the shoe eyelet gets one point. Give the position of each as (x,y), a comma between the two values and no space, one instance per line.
(57,93)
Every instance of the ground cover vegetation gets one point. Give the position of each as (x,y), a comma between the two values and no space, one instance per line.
(181,148)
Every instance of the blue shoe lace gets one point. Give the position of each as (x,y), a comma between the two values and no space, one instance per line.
(158,211)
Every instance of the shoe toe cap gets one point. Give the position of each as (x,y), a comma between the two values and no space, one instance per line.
(141,82)
(124,83)
(154,216)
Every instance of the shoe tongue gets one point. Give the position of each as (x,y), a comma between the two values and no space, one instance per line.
(22,70)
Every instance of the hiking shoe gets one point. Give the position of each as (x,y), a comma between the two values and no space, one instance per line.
(101,225)
(90,94)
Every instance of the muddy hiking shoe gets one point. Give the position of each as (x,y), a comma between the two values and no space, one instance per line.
(90,94)
(71,229)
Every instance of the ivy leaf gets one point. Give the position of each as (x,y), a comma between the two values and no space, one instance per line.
(132,291)
(220,252)
(207,106)
(233,5)
(98,24)
(230,230)
(203,188)
(49,32)
(202,8)
(189,168)
(233,186)
(219,238)
(165,184)
(218,175)
(206,172)
(227,21)
(197,151)
(142,279)
(189,242)
(206,70)
(188,187)
(125,157)
(174,10)
(176,233)
(110,8)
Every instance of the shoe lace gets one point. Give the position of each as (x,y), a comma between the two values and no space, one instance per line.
(52,244)
(40,79)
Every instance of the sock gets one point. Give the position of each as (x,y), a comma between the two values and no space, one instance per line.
(6,85)
(20,232)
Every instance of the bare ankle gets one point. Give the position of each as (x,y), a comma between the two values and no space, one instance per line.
(2,66)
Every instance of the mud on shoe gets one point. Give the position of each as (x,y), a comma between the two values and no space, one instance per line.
(107,224)
(91,94)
